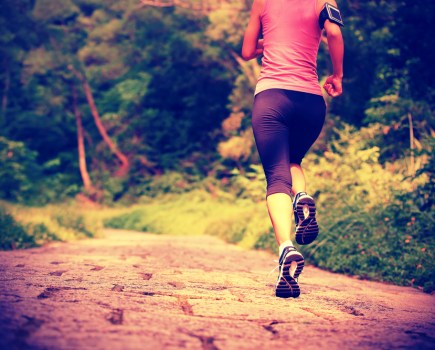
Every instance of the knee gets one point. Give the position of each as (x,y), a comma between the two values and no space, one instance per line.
(279,184)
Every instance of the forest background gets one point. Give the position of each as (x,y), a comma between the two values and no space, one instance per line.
(136,115)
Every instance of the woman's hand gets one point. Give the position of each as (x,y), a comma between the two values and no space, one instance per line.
(260,48)
(333,86)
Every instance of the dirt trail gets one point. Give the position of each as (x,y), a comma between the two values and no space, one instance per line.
(139,291)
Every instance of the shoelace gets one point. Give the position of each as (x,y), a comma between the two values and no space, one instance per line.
(276,267)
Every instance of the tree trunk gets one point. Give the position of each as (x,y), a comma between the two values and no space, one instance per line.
(87,183)
(125,163)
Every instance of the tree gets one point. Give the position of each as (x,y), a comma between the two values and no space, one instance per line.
(125,163)
(63,27)
(87,182)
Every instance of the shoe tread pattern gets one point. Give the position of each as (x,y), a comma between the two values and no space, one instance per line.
(287,285)
(307,229)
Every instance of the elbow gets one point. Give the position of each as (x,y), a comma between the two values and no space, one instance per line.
(246,55)
(248,52)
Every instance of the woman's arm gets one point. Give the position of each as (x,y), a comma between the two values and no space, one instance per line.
(252,47)
(333,84)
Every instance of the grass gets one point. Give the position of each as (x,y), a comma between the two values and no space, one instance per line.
(196,213)
(26,227)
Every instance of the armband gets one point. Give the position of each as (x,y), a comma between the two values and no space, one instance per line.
(331,13)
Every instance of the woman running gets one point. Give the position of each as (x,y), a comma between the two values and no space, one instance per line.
(289,112)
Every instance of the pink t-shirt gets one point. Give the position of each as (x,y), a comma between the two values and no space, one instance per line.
(291,40)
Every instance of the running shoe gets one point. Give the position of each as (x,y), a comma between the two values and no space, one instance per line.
(304,209)
(291,263)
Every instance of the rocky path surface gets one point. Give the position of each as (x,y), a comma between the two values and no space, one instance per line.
(134,290)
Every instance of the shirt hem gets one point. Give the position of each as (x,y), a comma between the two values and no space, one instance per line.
(314,91)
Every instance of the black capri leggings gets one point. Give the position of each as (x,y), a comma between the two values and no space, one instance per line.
(286,123)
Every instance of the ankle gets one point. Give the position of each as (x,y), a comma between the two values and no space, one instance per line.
(283,245)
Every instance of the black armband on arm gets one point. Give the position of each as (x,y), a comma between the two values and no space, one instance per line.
(331,13)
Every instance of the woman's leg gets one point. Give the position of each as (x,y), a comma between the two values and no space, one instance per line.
(269,123)
(306,127)
(279,206)
(272,140)
(298,179)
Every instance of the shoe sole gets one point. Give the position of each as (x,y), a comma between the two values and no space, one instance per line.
(308,229)
(287,286)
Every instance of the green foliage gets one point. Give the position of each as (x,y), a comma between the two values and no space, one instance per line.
(12,234)
(24,227)
(49,11)
(78,223)
(131,221)
(170,182)
(159,95)
(350,169)
(251,184)
(390,243)
(425,192)
(17,167)
(144,188)
(227,25)
(196,213)
(22,179)
(133,90)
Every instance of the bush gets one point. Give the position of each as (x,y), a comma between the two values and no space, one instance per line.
(196,213)
(251,184)
(170,182)
(131,190)
(132,220)
(17,168)
(25,227)
(12,234)
(390,243)
(75,222)
(23,180)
